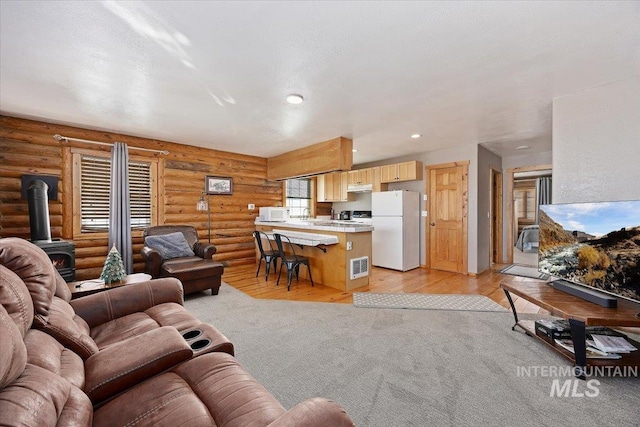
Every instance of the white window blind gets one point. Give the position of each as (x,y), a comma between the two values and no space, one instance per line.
(298,197)
(95,178)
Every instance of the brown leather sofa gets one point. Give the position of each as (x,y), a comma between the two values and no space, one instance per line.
(197,273)
(55,370)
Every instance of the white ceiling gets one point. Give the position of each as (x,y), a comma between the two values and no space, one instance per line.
(215,74)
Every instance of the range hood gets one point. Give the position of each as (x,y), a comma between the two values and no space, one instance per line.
(359,188)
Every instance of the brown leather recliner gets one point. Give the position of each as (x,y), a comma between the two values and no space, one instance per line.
(149,378)
(197,273)
(89,324)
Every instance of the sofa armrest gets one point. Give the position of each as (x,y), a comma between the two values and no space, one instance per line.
(103,307)
(204,250)
(152,261)
(127,363)
(314,412)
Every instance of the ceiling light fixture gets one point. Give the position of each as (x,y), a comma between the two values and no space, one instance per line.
(522,147)
(294,98)
(416,135)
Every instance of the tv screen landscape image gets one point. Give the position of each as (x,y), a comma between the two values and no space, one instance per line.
(593,244)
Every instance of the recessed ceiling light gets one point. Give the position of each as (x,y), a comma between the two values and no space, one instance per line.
(294,98)
(416,135)
(355,150)
(522,147)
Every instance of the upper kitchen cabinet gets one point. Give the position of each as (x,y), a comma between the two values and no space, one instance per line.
(332,187)
(361,176)
(361,180)
(397,172)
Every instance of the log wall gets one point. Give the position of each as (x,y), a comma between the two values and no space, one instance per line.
(28,147)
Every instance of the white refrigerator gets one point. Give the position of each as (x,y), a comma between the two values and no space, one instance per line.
(396,229)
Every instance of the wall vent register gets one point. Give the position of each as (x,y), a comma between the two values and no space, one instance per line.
(359,267)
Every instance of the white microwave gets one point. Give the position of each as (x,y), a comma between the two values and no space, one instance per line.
(274,214)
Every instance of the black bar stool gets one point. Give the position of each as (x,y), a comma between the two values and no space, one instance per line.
(269,256)
(291,261)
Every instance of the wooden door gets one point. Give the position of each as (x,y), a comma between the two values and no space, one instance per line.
(495,239)
(447,218)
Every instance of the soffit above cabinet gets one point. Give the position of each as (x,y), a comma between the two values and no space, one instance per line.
(329,156)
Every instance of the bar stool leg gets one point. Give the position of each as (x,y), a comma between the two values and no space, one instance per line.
(259,265)
(310,278)
(289,276)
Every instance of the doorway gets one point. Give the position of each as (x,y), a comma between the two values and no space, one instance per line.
(521,213)
(446,229)
(495,239)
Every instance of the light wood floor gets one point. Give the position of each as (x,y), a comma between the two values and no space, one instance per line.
(419,280)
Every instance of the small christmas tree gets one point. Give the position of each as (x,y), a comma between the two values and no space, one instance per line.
(113,270)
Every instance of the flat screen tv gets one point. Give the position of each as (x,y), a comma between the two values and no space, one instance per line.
(596,245)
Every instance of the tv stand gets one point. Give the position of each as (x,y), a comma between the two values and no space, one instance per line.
(580,314)
(590,295)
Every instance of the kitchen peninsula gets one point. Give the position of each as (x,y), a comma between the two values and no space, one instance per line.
(331,267)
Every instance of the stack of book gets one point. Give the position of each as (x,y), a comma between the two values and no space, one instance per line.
(602,342)
(610,344)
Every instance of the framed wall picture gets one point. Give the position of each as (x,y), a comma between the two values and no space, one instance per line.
(218,185)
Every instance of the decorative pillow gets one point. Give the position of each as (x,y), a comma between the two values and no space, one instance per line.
(172,245)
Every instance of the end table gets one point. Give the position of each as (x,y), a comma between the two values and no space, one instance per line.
(87,287)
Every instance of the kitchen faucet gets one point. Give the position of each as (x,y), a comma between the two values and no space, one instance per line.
(306,213)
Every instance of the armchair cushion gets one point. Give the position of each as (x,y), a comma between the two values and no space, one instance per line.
(98,309)
(129,362)
(172,245)
(34,268)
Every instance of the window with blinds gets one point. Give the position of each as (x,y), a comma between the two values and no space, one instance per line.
(95,177)
(298,197)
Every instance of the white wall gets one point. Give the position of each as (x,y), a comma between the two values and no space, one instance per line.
(361,202)
(533,159)
(596,141)
(461,153)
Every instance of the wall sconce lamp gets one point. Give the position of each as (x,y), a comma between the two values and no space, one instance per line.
(203,205)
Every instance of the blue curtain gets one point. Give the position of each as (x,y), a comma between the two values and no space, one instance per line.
(543,193)
(119,207)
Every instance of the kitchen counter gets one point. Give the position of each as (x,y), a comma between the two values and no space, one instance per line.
(322,225)
(331,246)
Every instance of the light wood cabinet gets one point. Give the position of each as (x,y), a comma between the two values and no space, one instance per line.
(332,187)
(376,180)
(361,176)
(397,172)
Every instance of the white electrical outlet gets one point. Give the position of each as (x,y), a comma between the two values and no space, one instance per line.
(251,206)
(425,197)
(425,213)
(349,246)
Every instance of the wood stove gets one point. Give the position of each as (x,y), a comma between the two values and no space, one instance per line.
(62,255)
(61,252)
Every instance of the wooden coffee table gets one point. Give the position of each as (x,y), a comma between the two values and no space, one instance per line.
(579,313)
(87,287)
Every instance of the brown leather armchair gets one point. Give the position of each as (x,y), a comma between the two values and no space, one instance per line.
(197,273)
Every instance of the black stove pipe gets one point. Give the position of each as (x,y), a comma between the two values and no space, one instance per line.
(39,211)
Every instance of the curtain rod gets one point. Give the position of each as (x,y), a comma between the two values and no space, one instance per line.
(67,139)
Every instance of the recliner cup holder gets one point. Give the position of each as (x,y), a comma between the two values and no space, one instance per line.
(189,335)
(200,344)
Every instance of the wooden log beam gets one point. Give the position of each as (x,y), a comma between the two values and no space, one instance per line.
(328,156)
